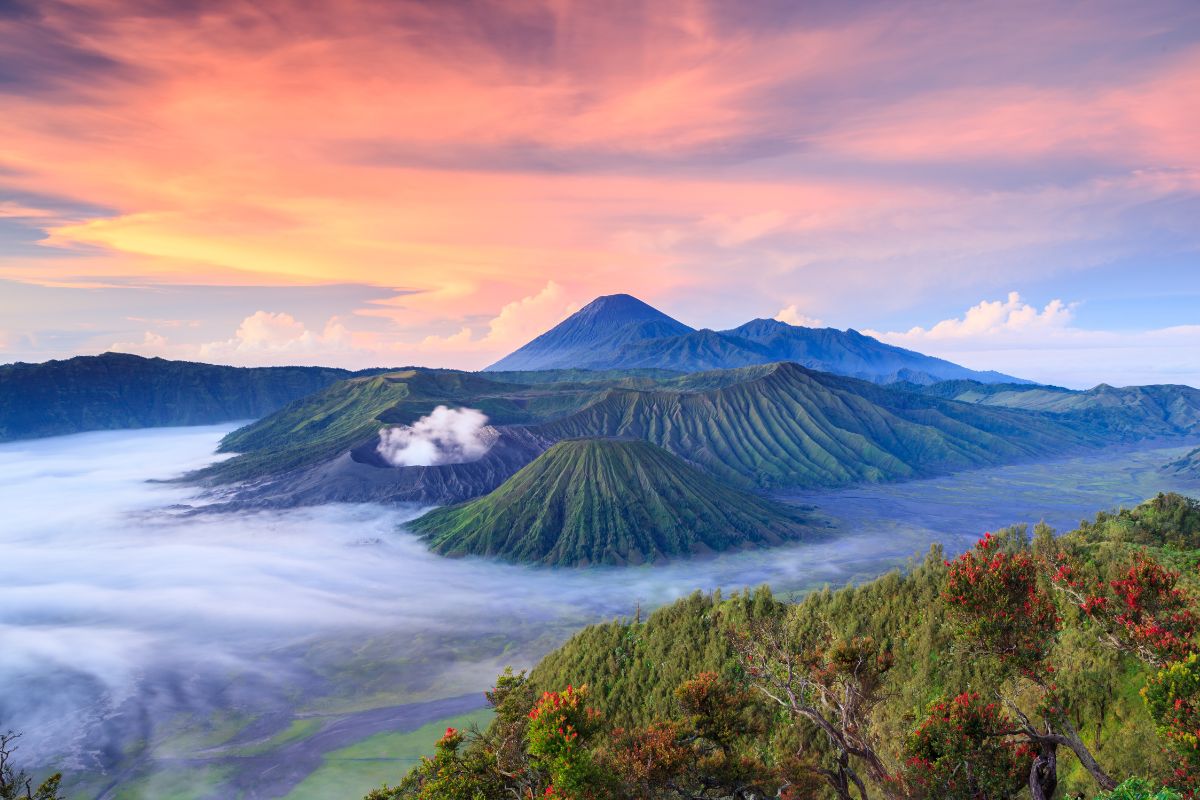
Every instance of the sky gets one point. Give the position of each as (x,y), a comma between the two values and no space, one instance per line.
(1012,185)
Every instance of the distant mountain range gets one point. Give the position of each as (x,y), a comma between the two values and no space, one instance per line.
(1115,412)
(762,427)
(117,390)
(1188,466)
(621,332)
(623,467)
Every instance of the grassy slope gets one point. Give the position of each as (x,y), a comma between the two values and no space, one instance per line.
(767,426)
(328,423)
(1129,412)
(116,390)
(782,425)
(603,501)
(355,770)
(633,668)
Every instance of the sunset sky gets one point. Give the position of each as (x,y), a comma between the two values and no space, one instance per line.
(1012,185)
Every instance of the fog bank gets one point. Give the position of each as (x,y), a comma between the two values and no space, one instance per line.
(124,619)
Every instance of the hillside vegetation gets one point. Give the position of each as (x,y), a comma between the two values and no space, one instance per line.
(782,425)
(769,426)
(921,684)
(117,390)
(604,501)
(1118,412)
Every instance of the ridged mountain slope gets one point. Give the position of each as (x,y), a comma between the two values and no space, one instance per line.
(1188,466)
(119,390)
(350,413)
(785,426)
(605,501)
(1130,412)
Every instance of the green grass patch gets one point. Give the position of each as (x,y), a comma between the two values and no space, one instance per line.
(187,783)
(383,758)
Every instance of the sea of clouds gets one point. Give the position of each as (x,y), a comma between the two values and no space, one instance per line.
(120,610)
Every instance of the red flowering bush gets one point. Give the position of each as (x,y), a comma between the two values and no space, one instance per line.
(962,751)
(1001,605)
(560,727)
(1143,611)
(1173,699)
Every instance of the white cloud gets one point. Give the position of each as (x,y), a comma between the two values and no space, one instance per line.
(268,338)
(515,324)
(792,316)
(1007,318)
(444,436)
(1020,339)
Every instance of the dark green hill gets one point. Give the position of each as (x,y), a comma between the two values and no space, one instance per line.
(782,425)
(117,390)
(350,413)
(606,501)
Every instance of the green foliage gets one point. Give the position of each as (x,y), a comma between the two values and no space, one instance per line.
(960,751)
(1139,789)
(557,738)
(16,784)
(1001,604)
(1173,699)
(595,501)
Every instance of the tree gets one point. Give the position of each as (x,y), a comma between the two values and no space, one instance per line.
(17,784)
(1004,609)
(561,727)
(831,682)
(964,750)
(1142,611)
(1173,699)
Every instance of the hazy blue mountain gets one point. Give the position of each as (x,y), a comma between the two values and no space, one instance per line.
(1188,466)
(118,390)
(609,322)
(1127,412)
(854,354)
(621,332)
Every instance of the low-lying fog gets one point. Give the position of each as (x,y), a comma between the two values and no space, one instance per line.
(124,620)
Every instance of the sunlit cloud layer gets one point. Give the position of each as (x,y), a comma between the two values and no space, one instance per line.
(483,168)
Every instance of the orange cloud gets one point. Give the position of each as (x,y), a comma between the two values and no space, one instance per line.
(476,155)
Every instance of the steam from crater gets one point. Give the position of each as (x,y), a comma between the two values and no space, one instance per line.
(445,436)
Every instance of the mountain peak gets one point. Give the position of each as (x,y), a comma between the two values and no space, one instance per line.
(607,321)
(619,309)
(619,331)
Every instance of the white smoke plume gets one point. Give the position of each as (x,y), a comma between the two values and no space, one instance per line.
(445,436)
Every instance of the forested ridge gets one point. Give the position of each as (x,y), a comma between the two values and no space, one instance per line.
(1029,666)
(119,390)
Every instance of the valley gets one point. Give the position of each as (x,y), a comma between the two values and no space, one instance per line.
(221,642)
